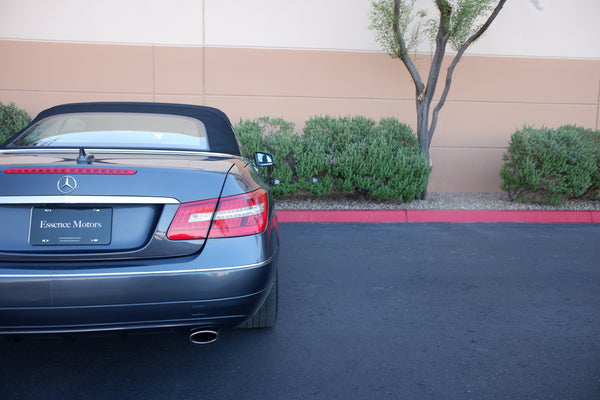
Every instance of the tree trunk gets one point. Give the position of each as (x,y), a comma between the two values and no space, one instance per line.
(423,135)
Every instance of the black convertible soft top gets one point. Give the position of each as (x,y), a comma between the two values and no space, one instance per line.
(220,134)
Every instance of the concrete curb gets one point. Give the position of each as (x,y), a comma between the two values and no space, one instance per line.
(453,216)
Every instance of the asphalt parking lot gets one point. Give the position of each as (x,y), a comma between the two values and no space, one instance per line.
(368,311)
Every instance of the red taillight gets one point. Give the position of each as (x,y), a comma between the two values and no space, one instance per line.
(192,220)
(240,215)
(69,170)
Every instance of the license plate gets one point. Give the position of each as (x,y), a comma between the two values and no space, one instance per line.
(70,226)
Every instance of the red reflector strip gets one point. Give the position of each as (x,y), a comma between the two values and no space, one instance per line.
(69,170)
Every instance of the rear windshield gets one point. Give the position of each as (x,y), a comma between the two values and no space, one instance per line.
(116,130)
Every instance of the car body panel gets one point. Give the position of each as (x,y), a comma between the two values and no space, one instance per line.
(175,172)
(128,295)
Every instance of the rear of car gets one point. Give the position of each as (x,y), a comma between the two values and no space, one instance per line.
(133,215)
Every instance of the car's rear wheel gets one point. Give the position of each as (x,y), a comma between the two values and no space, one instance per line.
(266,316)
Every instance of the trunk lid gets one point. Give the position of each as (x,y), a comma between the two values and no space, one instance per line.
(51,210)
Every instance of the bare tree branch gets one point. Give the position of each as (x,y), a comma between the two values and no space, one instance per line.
(410,66)
(441,41)
(457,58)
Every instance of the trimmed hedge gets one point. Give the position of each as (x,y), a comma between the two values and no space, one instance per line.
(12,120)
(353,156)
(552,165)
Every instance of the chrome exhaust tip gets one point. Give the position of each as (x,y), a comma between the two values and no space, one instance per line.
(204,335)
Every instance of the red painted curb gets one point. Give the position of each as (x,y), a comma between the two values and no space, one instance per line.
(499,216)
(453,216)
(361,216)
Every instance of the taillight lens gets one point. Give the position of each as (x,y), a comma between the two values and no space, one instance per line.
(192,220)
(240,215)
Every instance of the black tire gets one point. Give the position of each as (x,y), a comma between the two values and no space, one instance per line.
(266,316)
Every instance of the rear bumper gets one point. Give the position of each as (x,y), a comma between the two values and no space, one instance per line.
(158,294)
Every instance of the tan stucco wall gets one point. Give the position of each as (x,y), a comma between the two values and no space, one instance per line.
(491,95)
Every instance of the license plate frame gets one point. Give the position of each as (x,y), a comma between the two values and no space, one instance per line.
(70,226)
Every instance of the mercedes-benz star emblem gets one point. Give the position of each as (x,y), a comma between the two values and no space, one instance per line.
(66,184)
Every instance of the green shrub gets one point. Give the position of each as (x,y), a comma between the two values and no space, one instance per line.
(348,156)
(592,140)
(12,120)
(365,158)
(276,136)
(551,165)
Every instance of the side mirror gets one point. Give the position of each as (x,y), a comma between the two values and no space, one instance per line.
(264,159)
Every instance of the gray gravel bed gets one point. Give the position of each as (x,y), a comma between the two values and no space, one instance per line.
(435,201)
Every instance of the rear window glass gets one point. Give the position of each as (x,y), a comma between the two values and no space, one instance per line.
(116,130)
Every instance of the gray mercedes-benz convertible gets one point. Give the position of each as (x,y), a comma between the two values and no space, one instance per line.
(134,216)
